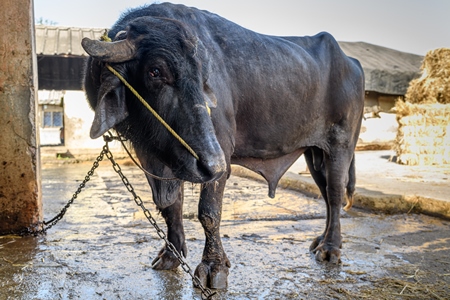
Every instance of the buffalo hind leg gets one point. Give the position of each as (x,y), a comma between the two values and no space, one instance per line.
(173,215)
(317,171)
(213,270)
(337,168)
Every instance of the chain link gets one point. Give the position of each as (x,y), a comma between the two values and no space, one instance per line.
(46,225)
(206,293)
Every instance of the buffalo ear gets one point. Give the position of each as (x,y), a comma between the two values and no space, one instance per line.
(111,110)
(210,98)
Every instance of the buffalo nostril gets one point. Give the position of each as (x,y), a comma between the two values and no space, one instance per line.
(212,167)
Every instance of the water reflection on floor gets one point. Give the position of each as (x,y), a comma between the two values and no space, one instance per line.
(103,247)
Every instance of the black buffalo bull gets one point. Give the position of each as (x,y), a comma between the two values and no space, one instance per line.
(272,99)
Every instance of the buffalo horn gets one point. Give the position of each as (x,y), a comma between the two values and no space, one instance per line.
(114,52)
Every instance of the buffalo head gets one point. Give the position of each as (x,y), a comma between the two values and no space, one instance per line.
(163,61)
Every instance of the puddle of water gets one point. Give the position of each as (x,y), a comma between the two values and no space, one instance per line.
(103,248)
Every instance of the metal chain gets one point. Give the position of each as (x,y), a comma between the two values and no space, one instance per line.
(206,293)
(49,224)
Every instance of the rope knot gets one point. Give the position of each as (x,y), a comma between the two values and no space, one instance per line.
(105,36)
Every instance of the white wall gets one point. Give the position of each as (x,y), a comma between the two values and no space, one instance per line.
(379,131)
(49,136)
(78,117)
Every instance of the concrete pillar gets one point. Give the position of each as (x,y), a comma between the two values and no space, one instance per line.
(20,199)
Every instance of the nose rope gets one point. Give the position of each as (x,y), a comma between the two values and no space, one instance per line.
(157,116)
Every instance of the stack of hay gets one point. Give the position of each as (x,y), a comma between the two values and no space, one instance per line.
(423,136)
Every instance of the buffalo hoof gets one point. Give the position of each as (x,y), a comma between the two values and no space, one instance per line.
(329,253)
(316,243)
(214,276)
(166,260)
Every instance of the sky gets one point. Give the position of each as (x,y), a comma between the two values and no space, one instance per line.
(413,26)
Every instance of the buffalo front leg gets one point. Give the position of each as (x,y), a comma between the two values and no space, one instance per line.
(173,215)
(213,270)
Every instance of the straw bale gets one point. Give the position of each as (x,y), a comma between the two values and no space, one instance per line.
(423,136)
(434,84)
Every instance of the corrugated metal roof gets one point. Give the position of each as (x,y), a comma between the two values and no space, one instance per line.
(50,97)
(386,70)
(53,40)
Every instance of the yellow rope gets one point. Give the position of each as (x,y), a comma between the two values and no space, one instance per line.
(153,111)
(105,36)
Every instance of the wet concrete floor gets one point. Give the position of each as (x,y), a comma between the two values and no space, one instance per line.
(103,247)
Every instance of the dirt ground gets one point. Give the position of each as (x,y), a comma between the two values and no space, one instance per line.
(103,247)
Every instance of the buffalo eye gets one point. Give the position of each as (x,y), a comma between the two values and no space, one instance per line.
(155,72)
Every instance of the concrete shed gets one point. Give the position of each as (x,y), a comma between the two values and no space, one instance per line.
(64,115)
(387,72)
